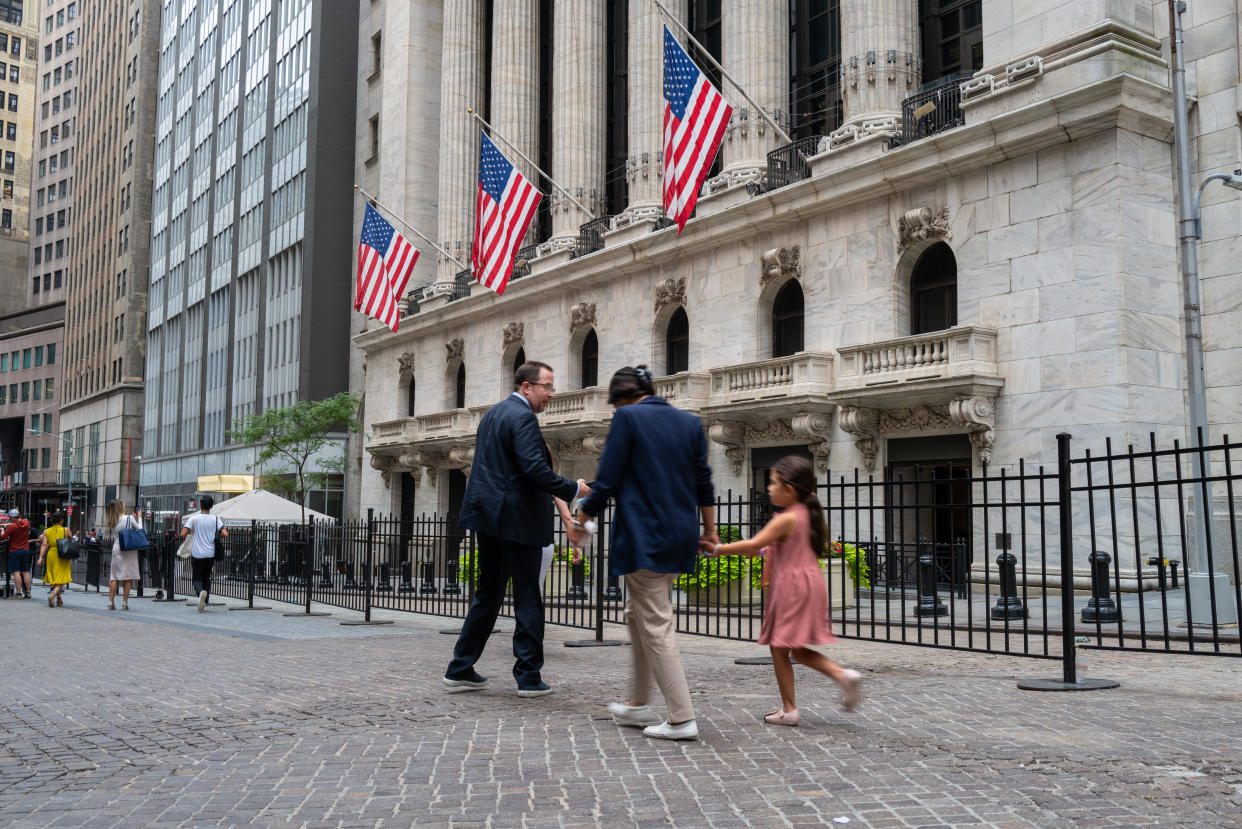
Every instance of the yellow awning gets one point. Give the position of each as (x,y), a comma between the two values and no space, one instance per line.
(225,483)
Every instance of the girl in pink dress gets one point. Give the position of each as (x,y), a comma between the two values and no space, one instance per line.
(796,604)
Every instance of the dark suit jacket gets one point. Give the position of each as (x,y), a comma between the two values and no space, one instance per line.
(655,463)
(509,494)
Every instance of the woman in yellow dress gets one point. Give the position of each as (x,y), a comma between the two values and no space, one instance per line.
(58,574)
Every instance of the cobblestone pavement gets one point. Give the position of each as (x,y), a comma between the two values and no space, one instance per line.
(165,717)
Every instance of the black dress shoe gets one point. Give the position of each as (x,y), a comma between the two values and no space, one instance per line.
(540,690)
(471,681)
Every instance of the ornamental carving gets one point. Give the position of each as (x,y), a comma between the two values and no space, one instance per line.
(977,415)
(384,464)
(456,349)
(920,225)
(589,446)
(813,428)
(581,315)
(460,456)
(916,419)
(779,263)
(730,434)
(864,425)
(816,429)
(405,363)
(670,292)
(430,461)
(514,332)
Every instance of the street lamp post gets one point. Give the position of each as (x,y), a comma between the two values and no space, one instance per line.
(1202,582)
(69,442)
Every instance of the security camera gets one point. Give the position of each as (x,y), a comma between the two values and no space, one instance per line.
(1235,180)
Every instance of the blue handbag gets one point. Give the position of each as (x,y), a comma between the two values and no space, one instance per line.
(132,538)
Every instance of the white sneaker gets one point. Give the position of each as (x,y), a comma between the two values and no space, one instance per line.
(202,601)
(687,730)
(635,716)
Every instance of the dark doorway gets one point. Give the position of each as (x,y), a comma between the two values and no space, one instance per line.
(409,398)
(519,359)
(787,320)
(459,400)
(928,493)
(677,343)
(933,290)
(590,360)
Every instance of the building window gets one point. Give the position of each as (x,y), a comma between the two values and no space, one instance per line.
(38,389)
(459,399)
(377,54)
(6,219)
(590,360)
(37,282)
(51,354)
(518,359)
(46,453)
(26,392)
(703,21)
(38,355)
(50,388)
(409,399)
(26,355)
(616,185)
(951,35)
(933,290)
(815,66)
(677,343)
(787,320)
(47,420)
(375,141)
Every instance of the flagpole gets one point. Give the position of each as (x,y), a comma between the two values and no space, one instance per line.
(699,46)
(410,227)
(508,144)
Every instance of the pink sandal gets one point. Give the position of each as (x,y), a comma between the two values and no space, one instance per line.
(853,690)
(782,717)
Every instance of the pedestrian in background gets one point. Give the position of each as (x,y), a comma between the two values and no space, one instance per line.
(17,532)
(205,528)
(795,607)
(124,569)
(655,463)
(58,573)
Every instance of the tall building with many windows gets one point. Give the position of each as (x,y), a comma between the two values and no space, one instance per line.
(18,56)
(105,324)
(251,238)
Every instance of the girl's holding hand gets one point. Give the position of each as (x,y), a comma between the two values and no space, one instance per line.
(796,605)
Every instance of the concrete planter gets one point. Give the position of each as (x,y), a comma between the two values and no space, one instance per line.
(833,575)
(737,593)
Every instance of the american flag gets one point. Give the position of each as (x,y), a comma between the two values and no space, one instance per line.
(503,211)
(695,117)
(385,262)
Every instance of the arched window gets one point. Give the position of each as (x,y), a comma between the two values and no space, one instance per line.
(409,399)
(933,290)
(677,343)
(461,386)
(787,318)
(518,359)
(590,360)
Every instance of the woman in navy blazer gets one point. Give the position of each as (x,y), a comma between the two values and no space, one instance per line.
(655,465)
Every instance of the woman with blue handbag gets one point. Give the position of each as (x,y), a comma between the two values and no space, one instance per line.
(125,568)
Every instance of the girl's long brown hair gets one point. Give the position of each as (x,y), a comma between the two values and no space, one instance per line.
(116,511)
(799,474)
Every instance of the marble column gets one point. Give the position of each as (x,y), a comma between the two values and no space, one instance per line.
(880,58)
(515,84)
(644,168)
(580,32)
(756,54)
(461,68)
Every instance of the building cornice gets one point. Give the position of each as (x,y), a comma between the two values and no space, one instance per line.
(1120,100)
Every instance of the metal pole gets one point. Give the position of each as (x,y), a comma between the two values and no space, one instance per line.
(409,227)
(370,556)
(1069,670)
(525,158)
(772,123)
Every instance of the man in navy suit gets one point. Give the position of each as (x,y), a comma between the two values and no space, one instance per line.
(508,503)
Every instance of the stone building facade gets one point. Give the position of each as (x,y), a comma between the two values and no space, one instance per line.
(105,326)
(974,250)
(19,53)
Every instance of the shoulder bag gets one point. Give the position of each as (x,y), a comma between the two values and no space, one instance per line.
(187,545)
(219,542)
(132,538)
(67,549)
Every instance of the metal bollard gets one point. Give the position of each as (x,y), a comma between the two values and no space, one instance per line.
(577,587)
(350,582)
(385,584)
(452,587)
(1100,607)
(407,581)
(613,591)
(929,600)
(325,576)
(1008,605)
(427,569)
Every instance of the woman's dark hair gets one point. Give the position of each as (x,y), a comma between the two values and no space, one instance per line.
(799,474)
(630,382)
(58,518)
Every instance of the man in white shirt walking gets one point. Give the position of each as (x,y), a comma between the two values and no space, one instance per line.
(204,526)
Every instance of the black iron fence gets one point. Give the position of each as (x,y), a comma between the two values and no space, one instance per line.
(935,107)
(1016,559)
(461,285)
(788,164)
(591,236)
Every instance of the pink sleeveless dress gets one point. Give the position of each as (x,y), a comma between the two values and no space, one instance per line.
(795,610)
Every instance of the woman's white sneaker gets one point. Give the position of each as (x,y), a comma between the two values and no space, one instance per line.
(688,730)
(635,716)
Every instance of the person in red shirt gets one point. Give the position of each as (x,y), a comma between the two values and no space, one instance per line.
(17,531)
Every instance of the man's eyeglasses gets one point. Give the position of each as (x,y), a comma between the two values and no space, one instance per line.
(548,387)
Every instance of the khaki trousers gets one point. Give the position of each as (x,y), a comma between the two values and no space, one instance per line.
(653,642)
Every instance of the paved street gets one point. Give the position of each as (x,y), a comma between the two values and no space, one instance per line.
(165,717)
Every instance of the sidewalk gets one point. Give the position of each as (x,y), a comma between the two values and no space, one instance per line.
(162,716)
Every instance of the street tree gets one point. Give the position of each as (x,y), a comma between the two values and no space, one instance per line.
(292,436)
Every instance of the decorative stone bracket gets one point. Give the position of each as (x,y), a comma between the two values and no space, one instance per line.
(922,224)
(670,292)
(589,446)
(514,332)
(976,414)
(406,363)
(456,349)
(814,428)
(387,465)
(778,263)
(581,315)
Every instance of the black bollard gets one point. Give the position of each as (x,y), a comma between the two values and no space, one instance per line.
(613,591)
(452,587)
(385,584)
(1008,605)
(1100,607)
(407,581)
(350,582)
(325,576)
(427,570)
(929,600)
(577,587)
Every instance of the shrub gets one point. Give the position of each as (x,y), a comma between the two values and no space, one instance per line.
(855,559)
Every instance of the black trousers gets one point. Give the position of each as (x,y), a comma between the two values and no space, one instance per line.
(498,562)
(200,570)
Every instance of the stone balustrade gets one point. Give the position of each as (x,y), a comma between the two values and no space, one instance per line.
(577,407)
(921,368)
(805,373)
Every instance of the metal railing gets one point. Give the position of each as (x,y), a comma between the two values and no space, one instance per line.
(591,236)
(934,108)
(461,285)
(995,560)
(522,260)
(787,164)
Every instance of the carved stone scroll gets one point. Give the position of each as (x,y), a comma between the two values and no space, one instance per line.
(456,349)
(816,429)
(921,224)
(978,415)
(670,292)
(515,332)
(405,363)
(778,263)
(731,435)
(864,425)
(581,315)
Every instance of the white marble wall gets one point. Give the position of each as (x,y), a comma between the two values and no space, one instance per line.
(1013,29)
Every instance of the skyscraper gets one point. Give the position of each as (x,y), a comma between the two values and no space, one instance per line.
(105,321)
(251,232)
